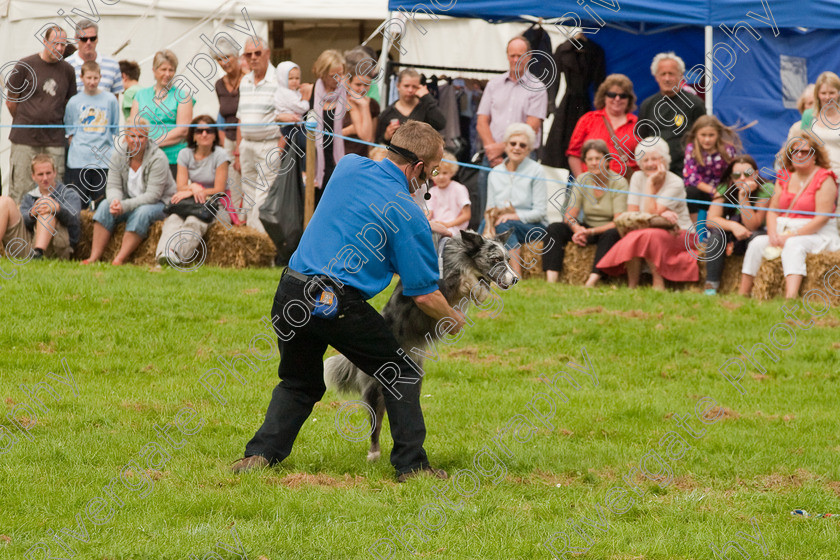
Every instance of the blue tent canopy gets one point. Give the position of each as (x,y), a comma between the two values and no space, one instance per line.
(818,14)
(758,84)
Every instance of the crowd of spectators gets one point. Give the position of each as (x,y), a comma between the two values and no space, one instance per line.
(621,163)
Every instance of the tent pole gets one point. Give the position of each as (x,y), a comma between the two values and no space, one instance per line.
(383,61)
(709,78)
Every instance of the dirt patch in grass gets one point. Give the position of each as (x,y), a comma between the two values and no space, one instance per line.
(835,487)
(296,480)
(827,322)
(684,483)
(331,404)
(725,413)
(778,481)
(632,314)
(731,305)
(473,355)
(250,291)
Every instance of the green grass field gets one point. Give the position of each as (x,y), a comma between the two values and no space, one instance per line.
(132,461)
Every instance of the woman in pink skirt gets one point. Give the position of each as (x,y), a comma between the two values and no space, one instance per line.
(666,254)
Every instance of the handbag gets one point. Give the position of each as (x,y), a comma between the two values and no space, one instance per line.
(771,252)
(631,221)
(189,207)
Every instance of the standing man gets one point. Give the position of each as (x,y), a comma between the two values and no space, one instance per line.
(513,97)
(363,195)
(87,37)
(254,143)
(39,88)
(673,109)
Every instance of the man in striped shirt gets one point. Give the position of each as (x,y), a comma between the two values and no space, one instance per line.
(87,37)
(255,143)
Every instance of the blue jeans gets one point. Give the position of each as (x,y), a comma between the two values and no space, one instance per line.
(520,232)
(138,220)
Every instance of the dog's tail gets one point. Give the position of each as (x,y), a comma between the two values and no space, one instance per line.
(340,374)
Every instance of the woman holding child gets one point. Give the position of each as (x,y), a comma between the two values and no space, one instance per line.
(168,109)
(600,208)
(202,173)
(810,186)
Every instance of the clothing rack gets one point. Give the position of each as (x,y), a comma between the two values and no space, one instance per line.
(451,68)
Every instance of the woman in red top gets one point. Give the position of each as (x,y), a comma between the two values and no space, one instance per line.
(614,102)
(810,186)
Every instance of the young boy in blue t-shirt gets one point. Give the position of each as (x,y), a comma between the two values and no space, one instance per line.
(90,120)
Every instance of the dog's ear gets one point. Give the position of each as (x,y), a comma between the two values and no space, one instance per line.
(472,241)
(503,237)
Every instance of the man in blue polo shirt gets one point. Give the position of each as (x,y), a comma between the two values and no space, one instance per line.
(365,229)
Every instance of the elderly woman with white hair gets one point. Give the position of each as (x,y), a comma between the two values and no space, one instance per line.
(655,190)
(518,182)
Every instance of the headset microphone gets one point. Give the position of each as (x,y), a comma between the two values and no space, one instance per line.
(427,196)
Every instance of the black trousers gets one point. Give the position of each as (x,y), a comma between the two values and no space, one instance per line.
(697,194)
(89,183)
(360,333)
(717,257)
(562,233)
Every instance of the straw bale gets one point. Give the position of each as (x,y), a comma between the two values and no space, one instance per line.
(577,264)
(528,253)
(770,282)
(237,247)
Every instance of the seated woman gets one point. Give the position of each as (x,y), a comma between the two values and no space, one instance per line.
(202,173)
(599,207)
(809,187)
(525,191)
(666,254)
(139,181)
(734,228)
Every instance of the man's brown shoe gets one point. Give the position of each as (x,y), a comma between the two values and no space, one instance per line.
(251,463)
(437,473)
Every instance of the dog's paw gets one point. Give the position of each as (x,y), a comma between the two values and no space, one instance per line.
(373,456)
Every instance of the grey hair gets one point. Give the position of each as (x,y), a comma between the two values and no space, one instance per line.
(228,47)
(83,24)
(520,129)
(670,55)
(653,144)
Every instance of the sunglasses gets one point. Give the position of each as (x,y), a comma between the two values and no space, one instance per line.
(88,39)
(434,173)
(255,53)
(203,131)
(522,145)
(800,151)
(744,174)
(613,95)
